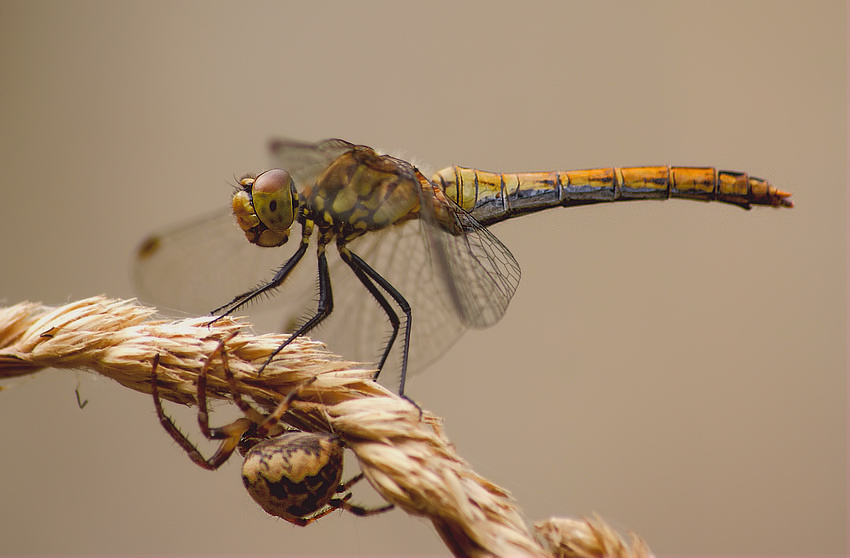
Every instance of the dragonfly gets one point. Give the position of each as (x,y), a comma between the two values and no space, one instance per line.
(414,257)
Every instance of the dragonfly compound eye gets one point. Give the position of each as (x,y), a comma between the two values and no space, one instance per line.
(272,195)
(293,475)
(264,208)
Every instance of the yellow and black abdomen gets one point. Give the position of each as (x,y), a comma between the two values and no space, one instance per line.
(493,197)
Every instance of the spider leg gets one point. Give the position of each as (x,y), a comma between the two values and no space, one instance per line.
(363,512)
(226,431)
(255,416)
(333,505)
(356,510)
(350,482)
(229,434)
(264,423)
(274,418)
(261,425)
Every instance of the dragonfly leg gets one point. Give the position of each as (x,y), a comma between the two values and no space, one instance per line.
(357,263)
(325,307)
(276,281)
(382,302)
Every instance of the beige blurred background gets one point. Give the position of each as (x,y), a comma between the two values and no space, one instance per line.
(678,368)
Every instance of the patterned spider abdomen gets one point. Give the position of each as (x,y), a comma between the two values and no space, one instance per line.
(294,475)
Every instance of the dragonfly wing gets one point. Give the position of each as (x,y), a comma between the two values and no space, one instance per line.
(201,265)
(452,282)
(306,161)
(358,328)
(455,275)
(479,272)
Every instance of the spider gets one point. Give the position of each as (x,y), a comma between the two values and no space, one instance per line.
(292,475)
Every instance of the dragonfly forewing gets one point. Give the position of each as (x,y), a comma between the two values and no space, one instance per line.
(200,265)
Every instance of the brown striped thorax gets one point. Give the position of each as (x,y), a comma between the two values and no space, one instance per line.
(362,191)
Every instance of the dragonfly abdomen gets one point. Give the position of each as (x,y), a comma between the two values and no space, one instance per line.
(493,197)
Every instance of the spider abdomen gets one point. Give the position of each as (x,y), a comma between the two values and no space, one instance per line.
(294,475)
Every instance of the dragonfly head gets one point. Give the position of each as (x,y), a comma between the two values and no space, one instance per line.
(265,207)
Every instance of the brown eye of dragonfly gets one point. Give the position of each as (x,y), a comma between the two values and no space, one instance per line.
(272,196)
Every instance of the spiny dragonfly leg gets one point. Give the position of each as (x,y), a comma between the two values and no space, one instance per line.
(357,263)
(276,281)
(325,307)
(382,302)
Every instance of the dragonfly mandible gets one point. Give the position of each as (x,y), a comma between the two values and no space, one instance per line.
(413,253)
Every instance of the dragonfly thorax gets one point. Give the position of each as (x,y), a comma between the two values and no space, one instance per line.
(362,191)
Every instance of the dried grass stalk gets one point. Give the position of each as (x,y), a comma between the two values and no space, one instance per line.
(405,457)
(589,538)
